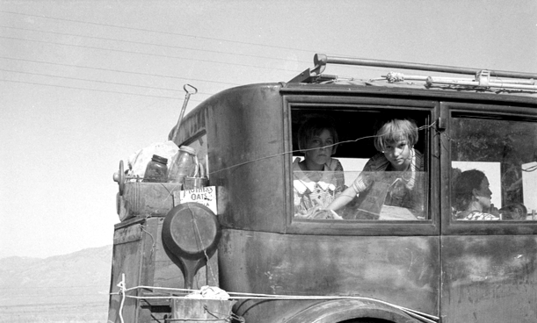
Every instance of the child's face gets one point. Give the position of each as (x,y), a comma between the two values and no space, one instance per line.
(317,152)
(398,154)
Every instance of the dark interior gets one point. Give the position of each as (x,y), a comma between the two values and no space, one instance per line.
(356,128)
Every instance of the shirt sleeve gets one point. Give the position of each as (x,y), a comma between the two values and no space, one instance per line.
(340,176)
(362,182)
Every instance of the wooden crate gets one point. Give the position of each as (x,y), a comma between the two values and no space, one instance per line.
(139,254)
(201,310)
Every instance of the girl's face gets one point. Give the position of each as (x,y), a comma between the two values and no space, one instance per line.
(483,194)
(398,154)
(316,150)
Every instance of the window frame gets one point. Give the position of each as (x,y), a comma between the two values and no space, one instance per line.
(356,227)
(448,225)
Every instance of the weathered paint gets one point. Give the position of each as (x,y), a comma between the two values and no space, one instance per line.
(489,279)
(154,199)
(387,268)
(486,274)
(139,254)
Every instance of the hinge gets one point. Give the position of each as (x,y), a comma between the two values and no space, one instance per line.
(440,124)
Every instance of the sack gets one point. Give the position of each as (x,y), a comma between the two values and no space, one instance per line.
(138,161)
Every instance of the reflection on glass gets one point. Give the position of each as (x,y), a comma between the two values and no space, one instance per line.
(494,169)
(392,196)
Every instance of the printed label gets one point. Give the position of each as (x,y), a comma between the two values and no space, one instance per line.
(204,195)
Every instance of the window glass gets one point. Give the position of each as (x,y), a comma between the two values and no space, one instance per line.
(359,165)
(494,169)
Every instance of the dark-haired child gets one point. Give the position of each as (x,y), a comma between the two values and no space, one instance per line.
(318,178)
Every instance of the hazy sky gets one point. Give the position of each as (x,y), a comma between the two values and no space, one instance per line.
(84,84)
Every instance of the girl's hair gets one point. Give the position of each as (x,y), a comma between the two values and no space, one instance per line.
(464,187)
(395,130)
(314,126)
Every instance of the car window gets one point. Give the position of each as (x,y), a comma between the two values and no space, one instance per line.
(340,173)
(493,169)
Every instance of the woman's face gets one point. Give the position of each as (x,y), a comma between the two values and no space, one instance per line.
(317,152)
(398,154)
(483,194)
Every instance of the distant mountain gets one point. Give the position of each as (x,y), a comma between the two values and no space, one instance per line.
(66,288)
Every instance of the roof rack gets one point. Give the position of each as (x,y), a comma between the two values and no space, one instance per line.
(482,77)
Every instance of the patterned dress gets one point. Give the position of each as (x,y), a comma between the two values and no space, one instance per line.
(310,195)
(476,216)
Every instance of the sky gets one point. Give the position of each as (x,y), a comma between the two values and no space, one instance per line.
(85,84)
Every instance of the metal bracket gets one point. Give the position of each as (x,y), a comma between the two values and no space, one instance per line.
(483,78)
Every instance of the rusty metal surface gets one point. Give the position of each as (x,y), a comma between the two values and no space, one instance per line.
(489,279)
(387,268)
(459,278)
(155,199)
(346,309)
(320,311)
(246,157)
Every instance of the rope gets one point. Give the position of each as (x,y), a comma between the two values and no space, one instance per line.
(393,77)
(428,318)
(198,234)
(304,150)
(122,295)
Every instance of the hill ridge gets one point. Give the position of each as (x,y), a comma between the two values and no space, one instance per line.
(72,287)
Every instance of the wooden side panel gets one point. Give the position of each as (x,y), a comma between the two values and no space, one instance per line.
(139,254)
(126,259)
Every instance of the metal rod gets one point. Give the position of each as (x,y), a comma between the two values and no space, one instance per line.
(522,87)
(321,59)
(185,102)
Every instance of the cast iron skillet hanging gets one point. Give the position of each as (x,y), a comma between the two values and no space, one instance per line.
(190,235)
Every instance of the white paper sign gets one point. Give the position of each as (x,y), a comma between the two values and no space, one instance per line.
(204,195)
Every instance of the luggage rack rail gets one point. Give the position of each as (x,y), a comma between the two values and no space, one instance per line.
(483,79)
